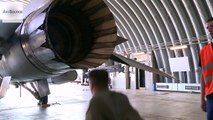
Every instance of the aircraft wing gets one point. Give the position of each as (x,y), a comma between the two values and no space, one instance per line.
(127,61)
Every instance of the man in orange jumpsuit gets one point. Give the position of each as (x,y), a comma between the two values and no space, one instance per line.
(206,60)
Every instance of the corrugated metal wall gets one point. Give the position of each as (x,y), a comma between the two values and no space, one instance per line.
(156,25)
(23,2)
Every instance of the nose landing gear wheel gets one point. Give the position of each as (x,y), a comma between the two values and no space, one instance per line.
(43,100)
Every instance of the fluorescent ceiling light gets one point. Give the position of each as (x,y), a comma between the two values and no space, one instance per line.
(178,47)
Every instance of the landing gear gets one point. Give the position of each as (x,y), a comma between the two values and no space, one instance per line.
(39,89)
(43,100)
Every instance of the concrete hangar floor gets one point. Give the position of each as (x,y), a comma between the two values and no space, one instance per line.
(70,102)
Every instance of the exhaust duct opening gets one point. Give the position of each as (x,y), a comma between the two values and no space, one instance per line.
(69,33)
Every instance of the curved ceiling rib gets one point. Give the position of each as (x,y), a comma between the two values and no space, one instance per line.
(132,25)
(153,36)
(149,33)
(124,19)
(161,34)
(172,34)
(155,25)
(23,2)
(196,21)
(203,11)
(121,32)
(210,6)
(129,26)
(166,21)
(192,12)
(119,21)
(173,15)
(194,29)
(137,23)
(187,24)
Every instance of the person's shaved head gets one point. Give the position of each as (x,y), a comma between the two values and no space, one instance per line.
(210,19)
(99,77)
(209,27)
(99,80)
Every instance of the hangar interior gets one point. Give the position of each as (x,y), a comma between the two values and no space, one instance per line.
(163,34)
(152,27)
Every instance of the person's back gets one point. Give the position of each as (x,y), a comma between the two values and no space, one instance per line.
(105,104)
(109,105)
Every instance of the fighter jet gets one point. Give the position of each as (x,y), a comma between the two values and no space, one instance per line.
(55,38)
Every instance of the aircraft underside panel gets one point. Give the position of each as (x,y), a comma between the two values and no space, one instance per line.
(4,86)
(64,78)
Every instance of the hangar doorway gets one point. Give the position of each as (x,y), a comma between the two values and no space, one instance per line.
(141,78)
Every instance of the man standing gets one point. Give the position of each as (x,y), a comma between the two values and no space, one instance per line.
(106,104)
(206,59)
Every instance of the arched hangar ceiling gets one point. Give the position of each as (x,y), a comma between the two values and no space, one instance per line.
(155,25)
